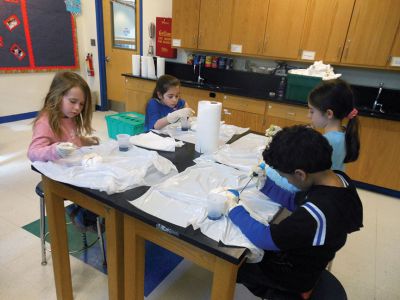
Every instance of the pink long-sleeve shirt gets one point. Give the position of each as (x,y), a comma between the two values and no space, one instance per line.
(44,140)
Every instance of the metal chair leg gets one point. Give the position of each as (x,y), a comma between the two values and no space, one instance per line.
(43,231)
(101,240)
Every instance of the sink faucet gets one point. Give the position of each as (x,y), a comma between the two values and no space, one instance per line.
(199,78)
(376,102)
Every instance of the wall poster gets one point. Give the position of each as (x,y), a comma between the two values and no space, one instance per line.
(37,36)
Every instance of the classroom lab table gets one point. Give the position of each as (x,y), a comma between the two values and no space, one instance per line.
(127,228)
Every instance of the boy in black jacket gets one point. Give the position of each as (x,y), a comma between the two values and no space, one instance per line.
(323,213)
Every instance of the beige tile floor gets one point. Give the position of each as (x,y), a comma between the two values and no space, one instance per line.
(368,266)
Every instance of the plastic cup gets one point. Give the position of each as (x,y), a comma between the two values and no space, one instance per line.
(215,206)
(185,124)
(123,142)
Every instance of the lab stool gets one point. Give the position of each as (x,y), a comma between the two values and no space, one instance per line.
(43,234)
(328,287)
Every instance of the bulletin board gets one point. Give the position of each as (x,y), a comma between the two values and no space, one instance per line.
(37,35)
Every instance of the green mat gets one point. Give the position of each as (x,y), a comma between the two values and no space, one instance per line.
(159,262)
(92,255)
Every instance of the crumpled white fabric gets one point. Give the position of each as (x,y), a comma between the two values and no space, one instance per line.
(91,160)
(317,69)
(182,200)
(242,154)
(226,132)
(117,172)
(153,141)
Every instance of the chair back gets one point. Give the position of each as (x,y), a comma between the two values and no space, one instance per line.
(328,287)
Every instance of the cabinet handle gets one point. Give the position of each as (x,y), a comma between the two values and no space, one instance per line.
(389,60)
(291,113)
(227,112)
(266,42)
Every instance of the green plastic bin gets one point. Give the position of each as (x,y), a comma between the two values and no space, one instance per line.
(128,122)
(299,86)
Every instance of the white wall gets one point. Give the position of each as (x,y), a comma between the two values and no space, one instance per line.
(151,10)
(25,92)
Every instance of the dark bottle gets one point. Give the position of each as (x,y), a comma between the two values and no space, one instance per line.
(281,88)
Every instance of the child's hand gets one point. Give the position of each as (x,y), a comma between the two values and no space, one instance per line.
(232,199)
(65,149)
(178,114)
(90,140)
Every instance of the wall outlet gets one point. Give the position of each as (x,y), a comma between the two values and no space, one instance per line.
(92,42)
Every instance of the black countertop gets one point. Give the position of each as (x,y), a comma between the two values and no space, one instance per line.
(182,158)
(264,87)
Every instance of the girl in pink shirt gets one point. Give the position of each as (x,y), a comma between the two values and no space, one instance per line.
(60,127)
(64,119)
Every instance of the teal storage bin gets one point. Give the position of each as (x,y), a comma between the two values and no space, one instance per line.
(299,86)
(128,122)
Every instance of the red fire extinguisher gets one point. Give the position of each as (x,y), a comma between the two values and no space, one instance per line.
(89,64)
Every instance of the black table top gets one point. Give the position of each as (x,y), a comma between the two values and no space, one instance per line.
(181,158)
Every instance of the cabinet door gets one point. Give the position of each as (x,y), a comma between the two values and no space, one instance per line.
(325,29)
(215,25)
(244,119)
(138,92)
(193,96)
(248,26)
(284,27)
(137,101)
(185,23)
(244,112)
(379,161)
(371,33)
(394,61)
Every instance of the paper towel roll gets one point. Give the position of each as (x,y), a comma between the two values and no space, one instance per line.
(135,65)
(160,66)
(143,64)
(151,69)
(208,124)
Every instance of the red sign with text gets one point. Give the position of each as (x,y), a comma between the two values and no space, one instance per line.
(163,38)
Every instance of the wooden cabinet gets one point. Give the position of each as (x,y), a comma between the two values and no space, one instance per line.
(378,163)
(285,22)
(285,115)
(371,33)
(215,25)
(394,61)
(138,92)
(193,96)
(244,112)
(185,23)
(325,29)
(249,19)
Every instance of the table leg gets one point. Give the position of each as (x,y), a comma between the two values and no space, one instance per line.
(115,253)
(59,241)
(224,280)
(134,251)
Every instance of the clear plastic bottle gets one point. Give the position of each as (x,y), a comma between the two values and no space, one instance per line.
(261,176)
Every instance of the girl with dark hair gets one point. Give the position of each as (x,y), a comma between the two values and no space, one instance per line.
(165,106)
(329,104)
